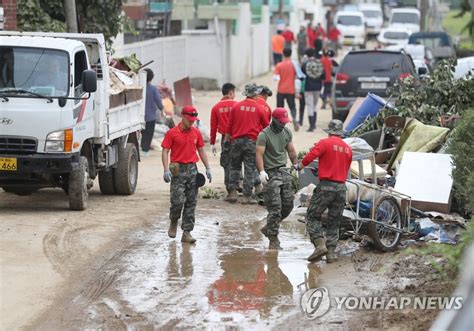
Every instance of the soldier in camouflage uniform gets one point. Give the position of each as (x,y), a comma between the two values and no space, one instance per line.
(185,142)
(273,145)
(335,158)
(246,121)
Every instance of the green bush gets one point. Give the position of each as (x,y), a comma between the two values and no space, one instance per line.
(461,146)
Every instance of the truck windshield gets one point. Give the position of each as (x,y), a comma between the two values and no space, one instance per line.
(35,70)
(405,18)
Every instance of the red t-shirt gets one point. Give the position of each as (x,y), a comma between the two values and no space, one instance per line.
(287,73)
(311,37)
(220,117)
(320,33)
(335,158)
(183,144)
(288,35)
(266,108)
(247,119)
(334,34)
(327,65)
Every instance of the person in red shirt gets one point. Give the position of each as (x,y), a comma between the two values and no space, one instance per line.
(320,32)
(326,61)
(262,98)
(335,158)
(289,37)
(247,119)
(220,114)
(184,142)
(286,74)
(334,35)
(278,44)
(311,35)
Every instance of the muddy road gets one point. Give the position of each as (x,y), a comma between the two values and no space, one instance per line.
(113,266)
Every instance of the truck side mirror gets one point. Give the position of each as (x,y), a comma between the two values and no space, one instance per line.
(422,71)
(89,81)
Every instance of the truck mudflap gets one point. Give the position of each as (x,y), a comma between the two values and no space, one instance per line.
(33,167)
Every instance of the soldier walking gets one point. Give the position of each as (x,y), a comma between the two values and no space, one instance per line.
(219,121)
(247,119)
(335,158)
(185,142)
(273,145)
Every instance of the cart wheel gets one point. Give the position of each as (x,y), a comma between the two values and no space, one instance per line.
(387,211)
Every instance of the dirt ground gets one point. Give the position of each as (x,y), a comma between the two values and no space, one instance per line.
(113,267)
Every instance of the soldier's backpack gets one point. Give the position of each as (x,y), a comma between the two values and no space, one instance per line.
(314,68)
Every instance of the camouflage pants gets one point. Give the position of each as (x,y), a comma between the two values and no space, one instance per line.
(184,196)
(331,196)
(243,150)
(225,161)
(279,197)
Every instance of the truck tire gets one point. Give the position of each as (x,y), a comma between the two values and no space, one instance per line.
(106,181)
(126,173)
(78,185)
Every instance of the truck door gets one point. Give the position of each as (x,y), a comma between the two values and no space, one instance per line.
(83,109)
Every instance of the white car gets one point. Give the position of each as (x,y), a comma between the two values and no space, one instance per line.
(352,27)
(393,36)
(373,17)
(417,52)
(408,18)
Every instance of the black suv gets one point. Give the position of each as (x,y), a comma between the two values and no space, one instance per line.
(367,71)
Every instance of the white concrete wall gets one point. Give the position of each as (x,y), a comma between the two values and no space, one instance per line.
(169,55)
(213,53)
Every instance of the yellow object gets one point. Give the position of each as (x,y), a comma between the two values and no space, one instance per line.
(8,164)
(168,107)
(68,140)
(367,168)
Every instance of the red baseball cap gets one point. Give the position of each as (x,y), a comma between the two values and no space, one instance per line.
(281,115)
(190,113)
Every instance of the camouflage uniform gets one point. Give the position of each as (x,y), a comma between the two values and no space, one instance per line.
(279,198)
(243,150)
(184,194)
(327,195)
(225,162)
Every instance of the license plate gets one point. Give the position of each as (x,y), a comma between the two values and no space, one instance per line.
(374,85)
(348,41)
(8,164)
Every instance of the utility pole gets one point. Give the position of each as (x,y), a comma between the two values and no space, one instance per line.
(280,8)
(71,16)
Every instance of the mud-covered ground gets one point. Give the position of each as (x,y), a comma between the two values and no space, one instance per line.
(113,267)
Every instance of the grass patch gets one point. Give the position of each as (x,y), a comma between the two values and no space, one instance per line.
(454,26)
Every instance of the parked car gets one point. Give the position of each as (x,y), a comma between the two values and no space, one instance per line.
(417,53)
(440,42)
(373,17)
(352,27)
(463,67)
(408,18)
(393,36)
(367,71)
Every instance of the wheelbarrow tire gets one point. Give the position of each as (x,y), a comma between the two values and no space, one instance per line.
(382,204)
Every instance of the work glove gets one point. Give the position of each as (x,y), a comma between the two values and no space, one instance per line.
(167,176)
(209,174)
(263,177)
(296,167)
(214,150)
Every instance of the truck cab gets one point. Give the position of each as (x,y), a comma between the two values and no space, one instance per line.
(55,115)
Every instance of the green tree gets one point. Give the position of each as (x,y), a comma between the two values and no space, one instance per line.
(94,16)
(467,8)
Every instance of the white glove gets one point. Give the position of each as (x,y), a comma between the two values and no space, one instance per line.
(263,177)
(214,150)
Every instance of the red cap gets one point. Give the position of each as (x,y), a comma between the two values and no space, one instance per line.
(190,113)
(281,115)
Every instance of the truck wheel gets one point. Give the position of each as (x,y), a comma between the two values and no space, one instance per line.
(18,191)
(79,182)
(106,181)
(126,173)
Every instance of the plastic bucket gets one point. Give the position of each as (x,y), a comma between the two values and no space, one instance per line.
(369,108)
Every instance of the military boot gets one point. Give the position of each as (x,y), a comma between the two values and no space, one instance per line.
(187,238)
(173,228)
(232,196)
(274,243)
(319,251)
(331,256)
(248,200)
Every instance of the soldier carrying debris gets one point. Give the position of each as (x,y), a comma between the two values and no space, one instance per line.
(273,145)
(247,119)
(335,158)
(183,141)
